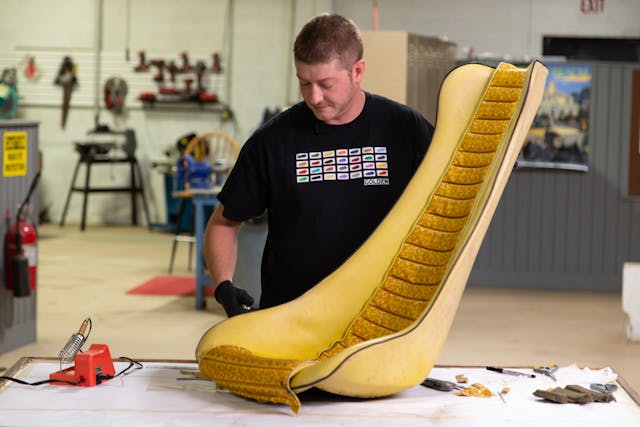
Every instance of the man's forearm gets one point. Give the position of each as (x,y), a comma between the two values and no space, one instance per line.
(221,247)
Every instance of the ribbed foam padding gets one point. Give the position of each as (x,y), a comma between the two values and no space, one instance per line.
(259,378)
(417,271)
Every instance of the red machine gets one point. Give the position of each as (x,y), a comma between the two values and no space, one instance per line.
(91,368)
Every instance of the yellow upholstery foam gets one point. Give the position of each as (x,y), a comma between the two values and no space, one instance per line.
(414,276)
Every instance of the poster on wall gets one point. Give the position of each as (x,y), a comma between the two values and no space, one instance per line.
(558,138)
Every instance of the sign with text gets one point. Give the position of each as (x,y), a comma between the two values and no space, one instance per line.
(14,154)
(591,6)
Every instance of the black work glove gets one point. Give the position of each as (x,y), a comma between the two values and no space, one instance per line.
(233,299)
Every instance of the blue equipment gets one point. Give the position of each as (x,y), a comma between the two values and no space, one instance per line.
(192,174)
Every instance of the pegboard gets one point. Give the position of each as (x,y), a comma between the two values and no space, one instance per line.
(43,92)
(161,27)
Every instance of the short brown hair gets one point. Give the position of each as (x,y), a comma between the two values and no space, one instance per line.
(328,36)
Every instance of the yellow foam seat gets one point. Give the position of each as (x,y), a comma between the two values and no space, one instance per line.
(377,324)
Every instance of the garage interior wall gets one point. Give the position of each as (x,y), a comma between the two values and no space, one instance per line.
(255,39)
(561,229)
(552,229)
(259,33)
(510,29)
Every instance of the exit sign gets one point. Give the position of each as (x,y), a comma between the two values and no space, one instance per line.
(591,7)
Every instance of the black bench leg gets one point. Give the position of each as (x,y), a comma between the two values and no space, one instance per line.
(140,185)
(73,183)
(85,192)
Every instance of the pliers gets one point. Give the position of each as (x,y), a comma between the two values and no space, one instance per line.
(604,388)
(441,385)
(547,370)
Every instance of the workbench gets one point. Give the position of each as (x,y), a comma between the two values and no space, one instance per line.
(162,394)
(93,153)
(200,199)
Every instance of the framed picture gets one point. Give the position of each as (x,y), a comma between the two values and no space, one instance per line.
(558,138)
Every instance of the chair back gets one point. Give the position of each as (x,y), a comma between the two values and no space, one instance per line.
(213,147)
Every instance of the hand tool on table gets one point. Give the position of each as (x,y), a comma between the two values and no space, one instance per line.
(547,370)
(441,385)
(509,372)
(574,394)
(604,388)
(605,391)
(595,395)
(502,392)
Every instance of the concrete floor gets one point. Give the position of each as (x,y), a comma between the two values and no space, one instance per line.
(88,273)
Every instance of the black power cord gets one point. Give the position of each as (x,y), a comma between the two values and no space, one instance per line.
(19,381)
(126,371)
(133,364)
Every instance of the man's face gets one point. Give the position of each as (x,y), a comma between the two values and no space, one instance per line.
(331,91)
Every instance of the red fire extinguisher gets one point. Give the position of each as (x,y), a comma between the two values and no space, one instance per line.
(21,251)
(22,245)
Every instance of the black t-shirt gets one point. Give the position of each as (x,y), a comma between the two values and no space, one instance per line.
(325,187)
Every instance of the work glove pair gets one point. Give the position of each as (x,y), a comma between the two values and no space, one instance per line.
(233,299)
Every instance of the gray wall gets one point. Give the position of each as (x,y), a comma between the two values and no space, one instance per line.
(559,229)
(496,28)
(17,315)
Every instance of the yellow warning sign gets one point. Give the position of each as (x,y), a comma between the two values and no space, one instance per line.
(14,154)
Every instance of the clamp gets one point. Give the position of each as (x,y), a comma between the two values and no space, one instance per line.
(549,371)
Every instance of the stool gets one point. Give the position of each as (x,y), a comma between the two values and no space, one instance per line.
(97,153)
(182,235)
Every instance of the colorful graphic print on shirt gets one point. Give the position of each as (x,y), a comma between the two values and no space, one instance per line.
(368,163)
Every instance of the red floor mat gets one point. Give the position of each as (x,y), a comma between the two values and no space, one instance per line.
(169,285)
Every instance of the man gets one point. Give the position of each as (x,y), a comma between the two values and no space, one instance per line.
(327,171)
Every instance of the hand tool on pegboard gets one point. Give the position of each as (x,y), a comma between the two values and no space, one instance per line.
(31,70)
(142,62)
(186,66)
(160,65)
(67,78)
(216,66)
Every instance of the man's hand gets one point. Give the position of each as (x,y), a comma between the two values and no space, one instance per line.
(233,299)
